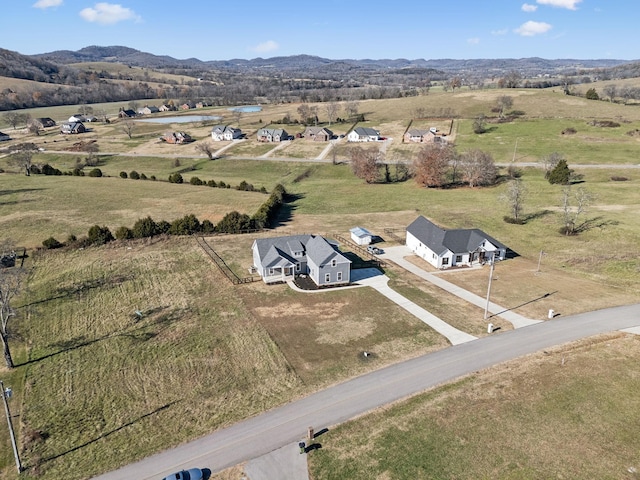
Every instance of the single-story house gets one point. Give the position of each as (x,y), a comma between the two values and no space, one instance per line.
(280,259)
(450,248)
(176,138)
(46,122)
(187,106)
(318,134)
(72,128)
(272,135)
(416,135)
(126,113)
(363,134)
(166,108)
(4,137)
(225,132)
(78,117)
(148,110)
(361,236)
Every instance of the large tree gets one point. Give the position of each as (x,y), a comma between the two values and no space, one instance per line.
(22,156)
(351,108)
(514,197)
(365,163)
(478,168)
(610,91)
(504,103)
(128,126)
(332,111)
(207,148)
(431,165)
(11,280)
(573,207)
(14,118)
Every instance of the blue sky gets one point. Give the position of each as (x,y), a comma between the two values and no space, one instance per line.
(336,29)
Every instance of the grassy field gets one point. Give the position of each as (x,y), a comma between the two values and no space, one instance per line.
(565,413)
(204,347)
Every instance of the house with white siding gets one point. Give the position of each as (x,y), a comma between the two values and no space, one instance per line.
(452,248)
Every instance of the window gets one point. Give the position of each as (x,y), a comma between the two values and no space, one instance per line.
(339,276)
(334,262)
(271,271)
(458,258)
(297,267)
(445,261)
(327,277)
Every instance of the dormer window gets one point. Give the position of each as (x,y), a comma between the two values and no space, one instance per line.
(334,262)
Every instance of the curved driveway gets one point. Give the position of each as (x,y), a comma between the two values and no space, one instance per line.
(284,425)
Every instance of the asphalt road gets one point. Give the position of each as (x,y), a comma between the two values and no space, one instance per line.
(287,424)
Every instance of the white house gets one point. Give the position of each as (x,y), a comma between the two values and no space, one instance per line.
(225,132)
(361,236)
(363,134)
(451,248)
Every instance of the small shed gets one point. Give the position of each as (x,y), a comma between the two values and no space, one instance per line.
(361,236)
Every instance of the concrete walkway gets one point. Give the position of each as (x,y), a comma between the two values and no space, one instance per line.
(397,254)
(371,277)
(286,463)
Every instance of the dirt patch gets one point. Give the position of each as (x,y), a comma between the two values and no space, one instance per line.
(345,330)
(321,310)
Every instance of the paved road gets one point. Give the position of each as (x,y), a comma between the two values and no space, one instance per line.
(276,428)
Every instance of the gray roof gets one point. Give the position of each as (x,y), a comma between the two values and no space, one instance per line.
(279,251)
(366,131)
(440,240)
(360,232)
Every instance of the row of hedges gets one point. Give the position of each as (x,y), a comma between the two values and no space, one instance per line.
(233,222)
(47,169)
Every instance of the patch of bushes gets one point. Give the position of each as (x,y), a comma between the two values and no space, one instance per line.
(124,175)
(604,123)
(96,172)
(176,178)
(134,175)
(513,221)
(569,131)
(99,235)
(51,243)
(617,178)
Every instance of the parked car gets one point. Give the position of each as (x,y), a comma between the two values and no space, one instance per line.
(191,474)
(374,250)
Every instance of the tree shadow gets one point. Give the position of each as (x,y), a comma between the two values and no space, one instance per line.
(285,213)
(138,334)
(536,215)
(596,222)
(106,434)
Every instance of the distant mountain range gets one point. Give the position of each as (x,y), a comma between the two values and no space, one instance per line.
(130,56)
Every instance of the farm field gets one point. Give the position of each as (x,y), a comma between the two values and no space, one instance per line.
(203,346)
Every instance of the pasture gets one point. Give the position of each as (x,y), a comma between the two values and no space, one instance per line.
(197,358)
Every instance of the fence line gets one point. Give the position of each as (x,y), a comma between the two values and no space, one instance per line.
(221,264)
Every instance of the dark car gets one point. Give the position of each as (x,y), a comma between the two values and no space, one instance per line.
(374,250)
(191,474)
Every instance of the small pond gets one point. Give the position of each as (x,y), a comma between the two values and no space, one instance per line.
(247,109)
(180,119)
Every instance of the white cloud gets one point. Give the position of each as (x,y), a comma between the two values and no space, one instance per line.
(47,4)
(108,13)
(504,31)
(529,29)
(473,41)
(568,4)
(526,7)
(265,47)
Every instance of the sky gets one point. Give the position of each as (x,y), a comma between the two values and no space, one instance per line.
(334,29)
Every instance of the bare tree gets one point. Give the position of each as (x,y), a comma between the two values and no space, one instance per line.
(237,115)
(91,148)
(207,148)
(22,156)
(511,79)
(571,214)
(503,103)
(478,168)
(351,108)
(14,118)
(610,91)
(514,197)
(128,127)
(549,162)
(431,165)
(11,279)
(305,113)
(365,163)
(455,82)
(331,108)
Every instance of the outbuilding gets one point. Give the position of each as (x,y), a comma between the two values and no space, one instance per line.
(361,235)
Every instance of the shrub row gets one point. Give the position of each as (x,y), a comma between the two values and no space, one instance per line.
(233,222)
(47,169)
(136,176)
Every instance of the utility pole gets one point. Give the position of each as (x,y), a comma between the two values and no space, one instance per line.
(486,307)
(6,393)
(540,260)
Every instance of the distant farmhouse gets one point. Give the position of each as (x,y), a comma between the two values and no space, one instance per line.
(126,113)
(318,134)
(69,128)
(220,133)
(176,138)
(452,248)
(272,135)
(281,259)
(78,117)
(45,122)
(363,134)
(148,110)
(416,135)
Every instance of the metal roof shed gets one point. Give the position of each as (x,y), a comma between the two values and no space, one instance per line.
(361,235)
